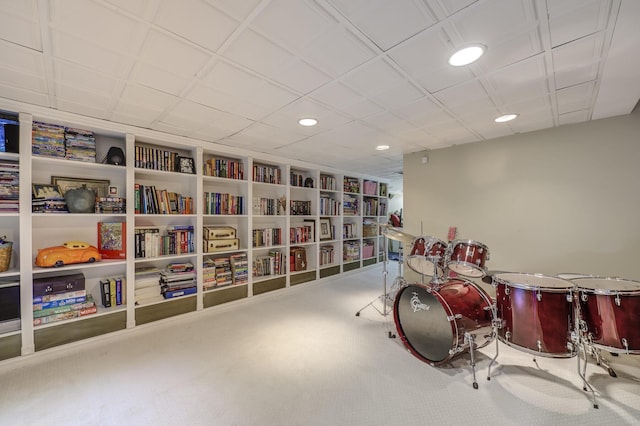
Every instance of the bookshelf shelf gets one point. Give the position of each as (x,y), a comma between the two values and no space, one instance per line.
(152,158)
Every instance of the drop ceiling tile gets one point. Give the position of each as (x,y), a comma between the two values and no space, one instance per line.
(135,114)
(418,108)
(146,97)
(300,76)
(387,23)
(336,95)
(531,122)
(574,117)
(229,79)
(271,96)
(93,101)
(19,79)
(19,24)
(491,22)
(288,117)
(523,80)
(112,30)
(511,51)
(461,94)
(71,74)
(172,55)
(337,52)
(158,79)
(305,23)
(77,50)
(450,6)
(196,21)
(568,25)
(269,136)
(362,109)
(374,77)
(240,10)
(257,53)
(135,7)
(191,115)
(85,107)
(575,98)
(21,59)
(212,98)
(385,121)
(398,96)
(578,61)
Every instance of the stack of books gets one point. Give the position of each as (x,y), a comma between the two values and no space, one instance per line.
(9,186)
(178,279)
(48,140)
(272,264)
(240,268)
(147,286)
(217,272)
(60,298)
(80,145)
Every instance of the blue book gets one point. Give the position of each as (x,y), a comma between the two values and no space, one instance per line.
(58,303)
(177,293)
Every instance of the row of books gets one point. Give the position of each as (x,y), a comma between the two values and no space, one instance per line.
(111,205)
(271,264)
(300,208)
(9,186)
(156,159)
(302,234)
(370,206)
(296,179)
(350,205)
(349,230)
(267,237)
(149,200)
(350,251)
(149,243)
(351,185)
(80,145)
(267,174)
(328,183)
(113,291)
(327,255)
(220,203)
(178,279)
(62,305)
(267,207)
(329,206)
(224,168)
(147,285)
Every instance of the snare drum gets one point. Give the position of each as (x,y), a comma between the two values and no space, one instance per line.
(610,309)
(467,257)
(427,254)
(432,323)
(536,313)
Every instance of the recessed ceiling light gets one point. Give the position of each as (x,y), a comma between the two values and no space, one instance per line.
(506,117)
(382,147)
(308,121)
(467,55)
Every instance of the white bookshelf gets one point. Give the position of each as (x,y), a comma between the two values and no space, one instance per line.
(300,182)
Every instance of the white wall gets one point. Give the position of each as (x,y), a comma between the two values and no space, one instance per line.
(559,200)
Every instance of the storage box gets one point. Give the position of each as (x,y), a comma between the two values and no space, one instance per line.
(298,259)
(212,246)
(112,240)
(367,251)
(218,232)
(58,284)
(369,188)
(369,230)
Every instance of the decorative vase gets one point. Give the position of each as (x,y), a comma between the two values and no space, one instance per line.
(80,200)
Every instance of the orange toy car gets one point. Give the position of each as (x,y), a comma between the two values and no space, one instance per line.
(68,253)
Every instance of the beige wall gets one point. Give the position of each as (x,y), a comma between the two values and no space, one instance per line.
(559,200)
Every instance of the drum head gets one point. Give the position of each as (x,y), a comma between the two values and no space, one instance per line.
(424,265)
(467,269)
(532,281)
(422,323)
(608,285)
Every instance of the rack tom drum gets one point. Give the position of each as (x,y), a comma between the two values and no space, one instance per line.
(427,256)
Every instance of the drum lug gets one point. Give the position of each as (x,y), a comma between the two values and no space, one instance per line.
(539,346)
(570,297)
(584,297)
(497,324)
(507,335)
(507,291)
(539,296)
(454,317)
(617,299)
(570,346)
(626,345)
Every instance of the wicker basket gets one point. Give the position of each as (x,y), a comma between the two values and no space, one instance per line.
(6,248)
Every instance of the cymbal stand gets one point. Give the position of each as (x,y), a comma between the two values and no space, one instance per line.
(385,297)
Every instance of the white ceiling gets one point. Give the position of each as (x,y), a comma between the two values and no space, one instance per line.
(241,72)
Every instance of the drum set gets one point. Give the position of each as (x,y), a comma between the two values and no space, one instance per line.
(550,316)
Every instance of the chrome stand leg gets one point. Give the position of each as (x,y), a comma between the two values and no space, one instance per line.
(471,340)
(492,361)
(582,372)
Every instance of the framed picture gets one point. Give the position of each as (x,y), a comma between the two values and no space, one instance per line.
(100,186)
(113,191)
(325,229)
(186,165)
(47,191)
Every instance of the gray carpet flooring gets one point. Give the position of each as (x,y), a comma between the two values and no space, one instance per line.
(301,357)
